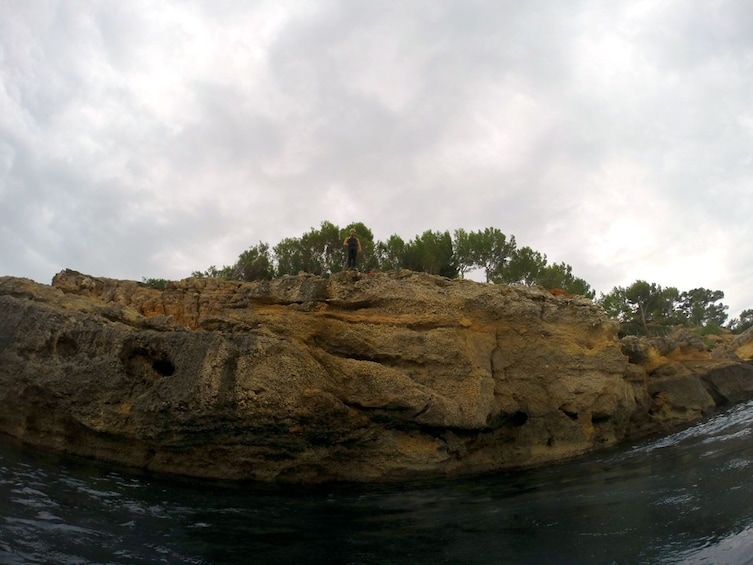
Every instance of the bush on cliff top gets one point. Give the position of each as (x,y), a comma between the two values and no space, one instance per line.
(320,252)
(642,308)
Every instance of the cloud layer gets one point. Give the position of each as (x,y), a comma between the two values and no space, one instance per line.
(141,139)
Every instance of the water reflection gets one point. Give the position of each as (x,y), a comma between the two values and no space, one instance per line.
(682,499)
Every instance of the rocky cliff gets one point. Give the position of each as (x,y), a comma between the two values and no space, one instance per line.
(356,377)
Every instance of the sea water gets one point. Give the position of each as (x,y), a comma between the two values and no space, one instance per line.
(686,498)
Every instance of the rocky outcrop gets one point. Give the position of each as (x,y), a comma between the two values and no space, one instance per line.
(688,377)
(355,377)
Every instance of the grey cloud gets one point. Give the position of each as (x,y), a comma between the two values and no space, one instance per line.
(565,124)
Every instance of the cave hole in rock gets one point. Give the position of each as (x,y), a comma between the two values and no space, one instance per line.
(519,418)
(164,367)
(66,346)
(145,362)
(600,418)
(569,413)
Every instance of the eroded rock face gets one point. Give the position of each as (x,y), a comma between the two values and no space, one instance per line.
(686,379)
(355,377)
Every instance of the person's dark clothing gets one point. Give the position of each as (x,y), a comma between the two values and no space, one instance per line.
(352,251)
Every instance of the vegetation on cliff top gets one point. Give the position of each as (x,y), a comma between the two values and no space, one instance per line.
(648,309)
(320,252)
(642,308)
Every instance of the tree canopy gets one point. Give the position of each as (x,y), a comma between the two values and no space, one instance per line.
(642,307)
(647,308)
(319,251)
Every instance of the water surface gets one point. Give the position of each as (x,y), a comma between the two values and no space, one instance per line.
(687,498)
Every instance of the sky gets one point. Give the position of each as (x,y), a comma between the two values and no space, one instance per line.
(147,139)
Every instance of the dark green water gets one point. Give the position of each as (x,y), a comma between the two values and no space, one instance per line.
(683,499)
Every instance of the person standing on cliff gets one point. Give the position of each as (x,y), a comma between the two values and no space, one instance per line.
(353,245)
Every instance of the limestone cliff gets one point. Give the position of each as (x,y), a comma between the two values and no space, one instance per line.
(355,377)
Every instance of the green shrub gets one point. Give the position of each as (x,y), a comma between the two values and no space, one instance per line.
(159,284)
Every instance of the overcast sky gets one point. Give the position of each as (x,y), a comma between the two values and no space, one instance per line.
(152,139)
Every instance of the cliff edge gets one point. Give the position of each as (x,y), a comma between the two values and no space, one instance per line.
(355,377)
